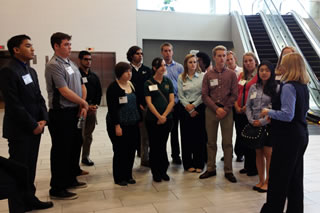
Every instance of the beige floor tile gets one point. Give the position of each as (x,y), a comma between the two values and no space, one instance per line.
(93,205)
(149,208)
(138,198)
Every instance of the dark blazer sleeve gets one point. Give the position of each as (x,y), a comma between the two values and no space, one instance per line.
(99,90)
(113,94)
(10,83)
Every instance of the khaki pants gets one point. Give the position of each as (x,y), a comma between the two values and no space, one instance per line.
(226,125)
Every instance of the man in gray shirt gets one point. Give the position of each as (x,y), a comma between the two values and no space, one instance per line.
(67,106)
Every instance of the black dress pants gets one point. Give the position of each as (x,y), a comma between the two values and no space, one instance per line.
(250,154)
(158,137)
(193,139)
(286,174)
(124,148)
(26,152)
(66,147)
(174,136)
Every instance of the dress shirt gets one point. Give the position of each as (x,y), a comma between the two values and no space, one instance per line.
(173,71)
(288,104)
(190,90)
(257,101)
(220,87)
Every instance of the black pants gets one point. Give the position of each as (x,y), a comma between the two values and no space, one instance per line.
(240,148)
(124,148)
(158,136)
(193,138)
(175,147)
(286,175)
(66,147)
(26,153)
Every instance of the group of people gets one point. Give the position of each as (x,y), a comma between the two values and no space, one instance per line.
(145,106)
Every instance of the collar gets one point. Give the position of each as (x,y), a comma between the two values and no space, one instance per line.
(20,62)
(65,61)
(136,67)
(223,69)
(82,71)
(172,64)
(196,74)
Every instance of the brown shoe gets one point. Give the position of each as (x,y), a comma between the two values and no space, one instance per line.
(83,172)
(230,177)
(208,174)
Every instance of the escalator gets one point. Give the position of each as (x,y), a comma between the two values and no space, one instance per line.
(261,39)
(304,44)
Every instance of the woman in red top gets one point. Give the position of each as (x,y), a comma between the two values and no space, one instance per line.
(247,78)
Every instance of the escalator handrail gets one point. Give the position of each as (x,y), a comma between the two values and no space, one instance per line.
(312,19)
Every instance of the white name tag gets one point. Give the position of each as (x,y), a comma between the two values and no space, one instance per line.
(84,80)
(185,87)
(242,82)
(214,82)
(70,70)
(123,100)
(27,79)
(153,87)
(253,95)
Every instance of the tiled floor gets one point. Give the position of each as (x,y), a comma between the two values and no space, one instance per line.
(184,193)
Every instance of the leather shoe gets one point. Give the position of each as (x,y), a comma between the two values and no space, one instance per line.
(78,185)
(131,181)
(176,160)
(156,179)
(208,174)
(122,183)
(38,205)
(83,172)
(165,177)
(262,190)
(230,177)
(256,188)
(87,162)
(243,171)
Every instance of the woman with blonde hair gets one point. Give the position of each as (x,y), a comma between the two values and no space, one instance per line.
(192,123)
(245,80)
(289,133)
(286,50)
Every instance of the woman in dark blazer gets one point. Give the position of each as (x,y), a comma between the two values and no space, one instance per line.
(122,124)
(289,135)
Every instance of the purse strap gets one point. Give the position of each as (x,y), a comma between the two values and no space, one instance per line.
(162,95)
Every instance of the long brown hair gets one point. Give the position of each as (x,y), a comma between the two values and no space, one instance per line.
(245,71)
(185,66)
(278,72)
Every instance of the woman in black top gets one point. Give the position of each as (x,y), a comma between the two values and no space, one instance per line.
(289,135)
(122,124)
(159,96)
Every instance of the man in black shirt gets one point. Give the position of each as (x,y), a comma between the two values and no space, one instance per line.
(92,83)
(140,74)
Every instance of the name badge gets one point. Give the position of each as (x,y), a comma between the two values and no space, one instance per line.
(70,70)
(185,87)
(253,95)
(84,80)
(214,82)
(153,87)
(27,79)
(144,72)
(242,82)
(123,100)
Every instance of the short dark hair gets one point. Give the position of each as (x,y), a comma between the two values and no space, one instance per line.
(16,41)
(121,68)
(156,63)
(132,50)
(205,58)
(83,53)
(57,38)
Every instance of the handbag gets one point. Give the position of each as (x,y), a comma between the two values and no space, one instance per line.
(254,136)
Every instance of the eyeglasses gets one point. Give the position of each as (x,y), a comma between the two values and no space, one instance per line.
(87,59)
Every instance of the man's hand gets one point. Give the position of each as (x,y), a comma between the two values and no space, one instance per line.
(264,112)
(189,107)
(221,113)
(39,129)
(162,120)
(194,114)
(83,113)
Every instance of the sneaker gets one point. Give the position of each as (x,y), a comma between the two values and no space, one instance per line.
(62,195)
(78,185)
(87,162)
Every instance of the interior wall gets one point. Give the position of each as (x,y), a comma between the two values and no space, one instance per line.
(103,25)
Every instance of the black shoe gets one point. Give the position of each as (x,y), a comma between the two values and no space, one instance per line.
(254,173)
(165,177)
(262,190)
(78,185)
(156,179)
(131,181)
(122,183)
(208,174)
(87,162)
(38,205)
(176,160)
(145,163)
(240,159)
(230,177)
(243,171)
(256,188)
(62,195)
